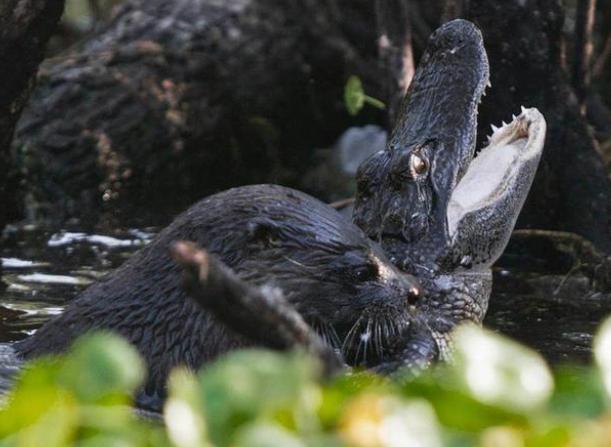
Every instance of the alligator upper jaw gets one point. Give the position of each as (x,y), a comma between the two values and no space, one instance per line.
(442,101)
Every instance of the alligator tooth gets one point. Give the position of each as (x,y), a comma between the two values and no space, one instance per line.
(489,84)
(523,109)
(504,123)
(513,117)
(494,128)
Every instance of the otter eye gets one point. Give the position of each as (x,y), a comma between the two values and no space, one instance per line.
(366,272)
(418,165)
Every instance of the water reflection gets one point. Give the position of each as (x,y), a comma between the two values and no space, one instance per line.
(43,271)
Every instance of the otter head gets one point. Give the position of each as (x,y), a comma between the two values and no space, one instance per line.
(341,282)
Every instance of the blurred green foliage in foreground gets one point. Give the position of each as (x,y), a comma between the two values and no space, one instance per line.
(495,393)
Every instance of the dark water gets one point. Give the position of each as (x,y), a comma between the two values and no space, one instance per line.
(44,270)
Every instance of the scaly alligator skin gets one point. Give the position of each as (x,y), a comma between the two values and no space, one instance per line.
(438,212)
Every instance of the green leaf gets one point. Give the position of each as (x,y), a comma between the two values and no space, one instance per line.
(254,384)
(444,389)
(34,394)
(266,435)
(501,372)
(579,392)
(102,367)
(602,353)
(354,95)
(183,411)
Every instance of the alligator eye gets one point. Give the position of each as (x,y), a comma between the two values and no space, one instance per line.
(418,165)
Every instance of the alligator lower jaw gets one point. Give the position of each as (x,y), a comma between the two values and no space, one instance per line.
(495,171)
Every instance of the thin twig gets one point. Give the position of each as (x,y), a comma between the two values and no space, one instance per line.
(586,257)
(583,47)
(394,50)
(343,203)
(601,60)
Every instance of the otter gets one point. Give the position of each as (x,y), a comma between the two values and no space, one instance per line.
(337,279)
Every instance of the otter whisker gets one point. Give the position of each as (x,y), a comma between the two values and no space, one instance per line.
(387,329)
(335,341)
(350,341)
(365,339)
(326,331)
(299,264)
(378,339)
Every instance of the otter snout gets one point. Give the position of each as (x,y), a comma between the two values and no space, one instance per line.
(413,287)
(406,288)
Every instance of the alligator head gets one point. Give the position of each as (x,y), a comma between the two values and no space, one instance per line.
(440,212)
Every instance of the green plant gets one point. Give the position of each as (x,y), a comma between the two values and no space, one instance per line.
(495,393)
(355,97)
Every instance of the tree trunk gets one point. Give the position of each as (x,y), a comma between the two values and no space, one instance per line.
(571,191)
(175,100)
(25,28)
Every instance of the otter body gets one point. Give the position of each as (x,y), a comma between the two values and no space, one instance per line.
(267,234)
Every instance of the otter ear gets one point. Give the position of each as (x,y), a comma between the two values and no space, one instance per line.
(264,231)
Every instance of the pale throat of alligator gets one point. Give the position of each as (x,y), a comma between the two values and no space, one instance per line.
(493,189)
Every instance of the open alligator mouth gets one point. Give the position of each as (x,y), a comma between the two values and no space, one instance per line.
(495,184)
(494,172)
(484,206)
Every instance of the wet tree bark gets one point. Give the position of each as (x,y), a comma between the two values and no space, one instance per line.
(25,27)
(174,100)
(523,39)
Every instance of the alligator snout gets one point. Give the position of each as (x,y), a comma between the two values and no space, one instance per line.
(414,349)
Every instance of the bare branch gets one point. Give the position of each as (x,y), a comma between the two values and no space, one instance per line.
(583,47)
(259,313)
(601,60)
(395,50)
(587,258)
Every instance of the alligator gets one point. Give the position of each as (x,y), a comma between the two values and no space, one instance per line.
(441,212)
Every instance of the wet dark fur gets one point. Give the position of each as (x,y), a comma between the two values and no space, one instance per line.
(268,234)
